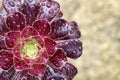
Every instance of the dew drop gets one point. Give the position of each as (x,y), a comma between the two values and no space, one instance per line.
(14,22)
(11,3)
(18,67)
(42,4)
(18,25)
(74,51)
(48,5)
(6,59)
(51,11)
(16,15)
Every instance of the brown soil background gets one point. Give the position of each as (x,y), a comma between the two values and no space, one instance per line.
(99,22)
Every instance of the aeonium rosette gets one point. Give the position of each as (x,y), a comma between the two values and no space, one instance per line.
(35,41)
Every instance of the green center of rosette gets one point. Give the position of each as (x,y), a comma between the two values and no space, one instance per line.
(30,49)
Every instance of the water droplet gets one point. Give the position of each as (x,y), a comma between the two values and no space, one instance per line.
(6,59)
(74,51)
(14,22)
(48,5)
(18,25)
(11,3)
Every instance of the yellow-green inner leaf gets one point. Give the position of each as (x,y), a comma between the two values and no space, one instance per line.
(30,49)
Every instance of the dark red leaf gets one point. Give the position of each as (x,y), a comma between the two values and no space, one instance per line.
(38,70)
(43,58)
(59,58)
(28,61)
(16,22)
(31,9)
(42,26)
(6,60)
(29,32)
(62,29)
(48,9)
(50,46)
(16,51)
(20,64)
(69,70)
(12,39)
(73,48)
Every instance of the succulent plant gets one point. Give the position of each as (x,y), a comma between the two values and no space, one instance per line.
(35,41)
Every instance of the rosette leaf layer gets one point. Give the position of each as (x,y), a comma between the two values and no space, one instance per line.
(35,41)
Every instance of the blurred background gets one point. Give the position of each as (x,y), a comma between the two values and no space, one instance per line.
(99,23)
